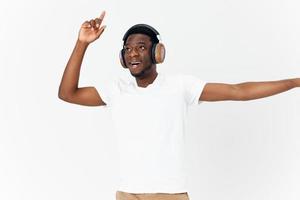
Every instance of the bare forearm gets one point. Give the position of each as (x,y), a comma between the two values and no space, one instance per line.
(256,90)
(70,79)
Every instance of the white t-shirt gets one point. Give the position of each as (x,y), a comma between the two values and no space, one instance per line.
(150,127)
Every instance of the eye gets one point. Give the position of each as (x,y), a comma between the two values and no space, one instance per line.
(142,47)
(127,49)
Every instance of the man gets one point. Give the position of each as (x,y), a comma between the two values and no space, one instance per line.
(149,111)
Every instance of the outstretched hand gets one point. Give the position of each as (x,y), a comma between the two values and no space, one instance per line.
(91,30)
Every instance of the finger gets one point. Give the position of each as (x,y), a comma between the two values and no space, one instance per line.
(100,30)
(86,24)
(100,19)
(102,15)
(93,23)
(98,22)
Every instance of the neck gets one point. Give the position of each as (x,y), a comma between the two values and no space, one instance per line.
(148,78)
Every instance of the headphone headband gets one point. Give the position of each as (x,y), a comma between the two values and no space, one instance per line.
(143,29)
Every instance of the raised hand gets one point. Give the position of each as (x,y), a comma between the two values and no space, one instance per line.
(91,30)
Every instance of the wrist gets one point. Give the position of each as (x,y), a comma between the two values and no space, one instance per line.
(296,82)
(82,43)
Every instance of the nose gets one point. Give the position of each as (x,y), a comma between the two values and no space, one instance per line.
(133,52)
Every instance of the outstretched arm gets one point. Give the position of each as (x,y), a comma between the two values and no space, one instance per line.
(246,91)
(68,89)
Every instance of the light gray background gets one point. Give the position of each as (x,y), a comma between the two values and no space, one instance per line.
(50,149)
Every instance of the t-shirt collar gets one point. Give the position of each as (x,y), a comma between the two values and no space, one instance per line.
(152,85)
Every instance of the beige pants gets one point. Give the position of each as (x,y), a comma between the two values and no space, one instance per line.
(151,196)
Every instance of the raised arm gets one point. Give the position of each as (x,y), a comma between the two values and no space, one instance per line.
(246,91)
(68,89)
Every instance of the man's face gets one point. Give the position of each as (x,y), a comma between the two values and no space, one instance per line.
(137,54)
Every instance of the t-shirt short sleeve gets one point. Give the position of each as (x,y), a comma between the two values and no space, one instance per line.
(192,89)
(108,91)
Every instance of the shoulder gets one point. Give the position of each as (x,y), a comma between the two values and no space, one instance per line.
(172,77)
(182,78)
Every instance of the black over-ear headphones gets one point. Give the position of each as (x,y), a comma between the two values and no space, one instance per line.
(158,49)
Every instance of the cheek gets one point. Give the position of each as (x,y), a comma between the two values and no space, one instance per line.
(126,58)
(147,57)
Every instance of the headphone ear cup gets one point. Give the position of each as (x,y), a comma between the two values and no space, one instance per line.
(153,50)
(158,53)
(121,57)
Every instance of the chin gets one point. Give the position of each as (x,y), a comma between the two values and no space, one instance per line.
(137,75)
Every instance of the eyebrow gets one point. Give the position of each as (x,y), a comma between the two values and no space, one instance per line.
(140,42)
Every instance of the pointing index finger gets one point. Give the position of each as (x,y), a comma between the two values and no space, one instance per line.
(102,15)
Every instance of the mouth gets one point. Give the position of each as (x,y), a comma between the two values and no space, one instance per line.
(134,64)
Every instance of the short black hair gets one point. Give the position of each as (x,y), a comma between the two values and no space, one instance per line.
(142,29)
